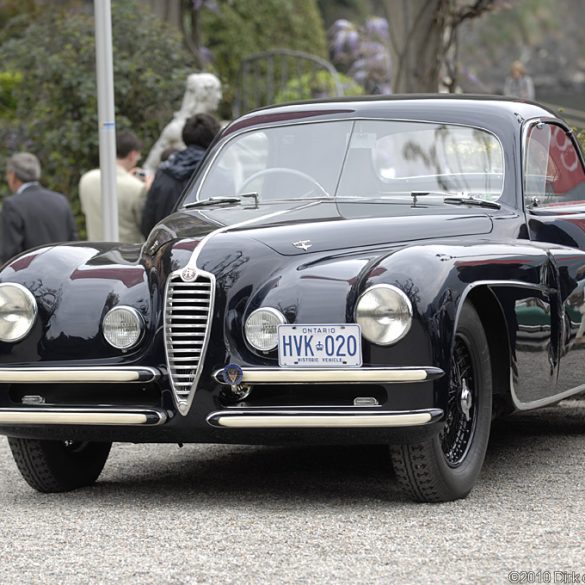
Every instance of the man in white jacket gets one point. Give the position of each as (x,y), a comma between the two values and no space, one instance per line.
(131,193)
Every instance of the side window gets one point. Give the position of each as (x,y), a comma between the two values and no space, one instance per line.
(553,173)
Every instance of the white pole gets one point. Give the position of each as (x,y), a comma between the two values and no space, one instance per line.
(106,115)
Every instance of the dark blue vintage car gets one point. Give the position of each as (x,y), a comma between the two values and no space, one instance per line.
(395,270)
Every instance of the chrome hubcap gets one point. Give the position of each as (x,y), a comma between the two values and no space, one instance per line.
(465,400)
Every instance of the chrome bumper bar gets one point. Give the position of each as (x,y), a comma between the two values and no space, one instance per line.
(266,419)
(98,375)
(334,376)
(81,416)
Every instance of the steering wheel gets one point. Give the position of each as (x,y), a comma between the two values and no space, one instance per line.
(282,170)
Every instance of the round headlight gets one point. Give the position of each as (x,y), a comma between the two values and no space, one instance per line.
(123,327)
(384,313)
(18,311)
(262,328)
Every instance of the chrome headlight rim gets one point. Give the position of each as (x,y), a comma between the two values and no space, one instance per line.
(281,320)
(33,306)
(139,320)
(405,300)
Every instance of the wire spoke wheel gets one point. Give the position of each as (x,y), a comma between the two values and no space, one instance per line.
(457,434)
(446,466)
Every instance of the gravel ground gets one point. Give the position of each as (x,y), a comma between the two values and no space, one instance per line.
(244,515)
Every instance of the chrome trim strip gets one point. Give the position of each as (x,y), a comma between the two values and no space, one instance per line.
(87,416)
(321,419)
(53,375)
(337,376)
(546,401)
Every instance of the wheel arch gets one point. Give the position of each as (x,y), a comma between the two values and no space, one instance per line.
(489,309)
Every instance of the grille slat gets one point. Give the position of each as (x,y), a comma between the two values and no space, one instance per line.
(188,306)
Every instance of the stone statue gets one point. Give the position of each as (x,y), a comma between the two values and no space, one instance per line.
(202,96)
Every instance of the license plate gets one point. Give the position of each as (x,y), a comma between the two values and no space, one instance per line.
(321,346)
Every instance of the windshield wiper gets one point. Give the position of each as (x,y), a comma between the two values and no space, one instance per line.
(471,200)
(213,201)
(464,199)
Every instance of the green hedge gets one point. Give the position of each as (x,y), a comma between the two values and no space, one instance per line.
(240,28)
(48,88)
(316,85)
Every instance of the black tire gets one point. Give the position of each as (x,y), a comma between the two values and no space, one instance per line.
(445,467)
(58,466)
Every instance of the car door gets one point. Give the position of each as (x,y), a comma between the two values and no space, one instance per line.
(554,198)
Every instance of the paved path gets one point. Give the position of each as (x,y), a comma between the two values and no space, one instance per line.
(246,515)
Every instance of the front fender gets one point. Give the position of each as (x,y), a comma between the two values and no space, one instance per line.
(439,277)
(75,286)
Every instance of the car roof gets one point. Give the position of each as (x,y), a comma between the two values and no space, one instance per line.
(491,112)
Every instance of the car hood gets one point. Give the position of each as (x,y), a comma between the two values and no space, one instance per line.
(320,226)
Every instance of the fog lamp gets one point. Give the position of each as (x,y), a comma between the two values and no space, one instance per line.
(123,327)
(261,328)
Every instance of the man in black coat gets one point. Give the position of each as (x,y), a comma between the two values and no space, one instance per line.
(173,175)
(33,216)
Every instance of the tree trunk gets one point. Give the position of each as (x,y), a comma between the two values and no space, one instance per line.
(416,30)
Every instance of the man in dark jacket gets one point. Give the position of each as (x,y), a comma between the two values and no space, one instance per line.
(33,216)
(173,175)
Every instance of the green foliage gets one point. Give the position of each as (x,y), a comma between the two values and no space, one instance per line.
(54,107)
(243,27)
(316,85)
(9,82)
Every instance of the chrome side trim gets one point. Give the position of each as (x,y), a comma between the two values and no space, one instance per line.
(321,419)
(546,401)
(98,375)
(81,416)
(337,376)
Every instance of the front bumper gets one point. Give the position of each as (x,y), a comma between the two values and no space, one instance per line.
(81,416)
(66,375)
(203,414)
(334,376)
(277,419)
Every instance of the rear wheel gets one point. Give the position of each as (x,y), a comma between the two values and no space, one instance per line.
(59,466)
(446,467)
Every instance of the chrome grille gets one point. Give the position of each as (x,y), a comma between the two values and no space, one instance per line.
(188,307)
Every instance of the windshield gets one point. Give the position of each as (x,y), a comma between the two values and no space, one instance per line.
(366,159)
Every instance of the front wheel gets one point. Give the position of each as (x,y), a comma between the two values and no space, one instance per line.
(58,466)
(446,467)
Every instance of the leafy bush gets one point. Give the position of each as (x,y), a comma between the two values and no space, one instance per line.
(240,28)
(54,108)
(9,82)
(316,85)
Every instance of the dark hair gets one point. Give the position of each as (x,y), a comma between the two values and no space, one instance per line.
(200,130)
(126,142)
